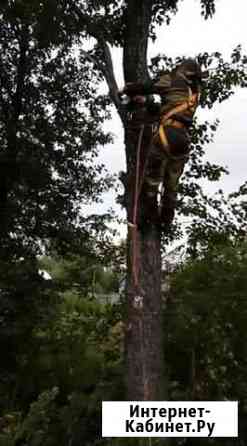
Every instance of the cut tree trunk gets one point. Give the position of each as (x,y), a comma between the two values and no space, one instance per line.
(144,356)
(144,334)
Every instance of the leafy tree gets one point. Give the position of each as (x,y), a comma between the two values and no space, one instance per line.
(85,275)
(50,131)
(75,362)
(26,299)
(205,327)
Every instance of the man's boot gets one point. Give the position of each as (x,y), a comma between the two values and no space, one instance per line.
(167,210)
(149,206)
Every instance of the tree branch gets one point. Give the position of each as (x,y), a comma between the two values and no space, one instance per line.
(21,73)
(105,66)
(108,71)
(4,107)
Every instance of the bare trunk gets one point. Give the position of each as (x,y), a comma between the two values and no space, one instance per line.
(143,338)
(144,356)
(138,17)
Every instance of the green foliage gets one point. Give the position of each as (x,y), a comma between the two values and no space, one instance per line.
(69,358)
(50,126)
(26,299)
(74,360)
(40,423)
(50,131)
(86,276)
(206,319)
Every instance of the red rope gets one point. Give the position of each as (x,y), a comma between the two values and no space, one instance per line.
(135,266)
(137,188)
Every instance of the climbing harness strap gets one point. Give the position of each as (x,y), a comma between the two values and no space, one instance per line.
(161,134)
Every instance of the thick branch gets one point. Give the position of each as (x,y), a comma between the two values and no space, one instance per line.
(21,72)
(4,108)
(108,72)
(105,65)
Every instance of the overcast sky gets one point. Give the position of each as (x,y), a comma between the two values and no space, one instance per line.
(188,34)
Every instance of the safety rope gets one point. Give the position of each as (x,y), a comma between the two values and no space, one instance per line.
(133,224)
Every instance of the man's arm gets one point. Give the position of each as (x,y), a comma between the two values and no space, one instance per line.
(160,87)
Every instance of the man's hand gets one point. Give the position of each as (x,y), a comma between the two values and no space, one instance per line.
(125,89)
(139,99)
(127,86)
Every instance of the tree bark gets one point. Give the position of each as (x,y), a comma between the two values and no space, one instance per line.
(144,358)
(143,337)
(137,20)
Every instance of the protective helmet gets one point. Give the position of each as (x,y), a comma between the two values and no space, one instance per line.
(191,70)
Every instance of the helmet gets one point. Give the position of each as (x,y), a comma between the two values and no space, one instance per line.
(191,70)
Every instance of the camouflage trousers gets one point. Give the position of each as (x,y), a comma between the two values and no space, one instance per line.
(163,170)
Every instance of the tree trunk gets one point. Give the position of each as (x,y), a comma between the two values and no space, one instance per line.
(143,337)
(143,326)
(138,17)
(144,356)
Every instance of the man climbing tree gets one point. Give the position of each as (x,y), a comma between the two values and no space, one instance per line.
(129,25)
(157,145)
(169,138)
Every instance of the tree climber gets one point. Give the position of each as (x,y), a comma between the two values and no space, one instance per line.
(179,91)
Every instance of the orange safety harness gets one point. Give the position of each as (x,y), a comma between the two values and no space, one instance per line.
(191,103)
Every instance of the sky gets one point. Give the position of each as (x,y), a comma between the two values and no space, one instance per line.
(187,35)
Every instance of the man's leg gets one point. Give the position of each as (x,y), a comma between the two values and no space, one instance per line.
(179,149)
(174,170)
(153,177)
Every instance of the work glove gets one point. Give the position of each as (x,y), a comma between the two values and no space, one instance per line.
(127,95)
